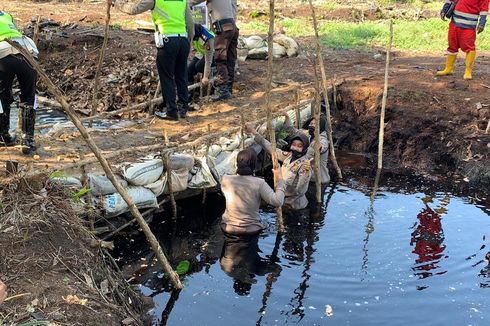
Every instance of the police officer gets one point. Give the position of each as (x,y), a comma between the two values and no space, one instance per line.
(174,30)
(223,17)
(13,64)
(203,43)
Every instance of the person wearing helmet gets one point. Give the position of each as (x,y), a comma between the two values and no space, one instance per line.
(296,166)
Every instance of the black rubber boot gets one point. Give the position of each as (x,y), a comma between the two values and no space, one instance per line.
(222,92)
(28,122)
(5,138)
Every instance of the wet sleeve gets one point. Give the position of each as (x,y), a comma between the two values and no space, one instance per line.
(189,23)
(268,195)
(134,8)
(208,57)
(266,145)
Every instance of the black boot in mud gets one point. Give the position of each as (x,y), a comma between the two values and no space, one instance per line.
(28,122)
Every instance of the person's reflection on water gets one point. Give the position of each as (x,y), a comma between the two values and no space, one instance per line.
(241,261)
(428,238)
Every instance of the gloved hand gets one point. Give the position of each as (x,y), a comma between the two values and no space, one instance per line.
(480,29)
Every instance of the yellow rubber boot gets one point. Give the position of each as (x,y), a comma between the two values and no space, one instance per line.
(451,59)
(470,62)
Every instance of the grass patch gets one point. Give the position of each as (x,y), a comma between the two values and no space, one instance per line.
(423,35)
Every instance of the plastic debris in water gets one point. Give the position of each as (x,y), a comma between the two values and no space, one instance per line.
(328,311)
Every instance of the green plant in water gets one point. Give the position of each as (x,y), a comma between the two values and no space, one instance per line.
(183,267)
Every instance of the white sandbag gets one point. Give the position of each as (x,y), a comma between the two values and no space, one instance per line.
(258,53)
(179,182)
(100,185)
(215,150)
(278,51)
(228,165)
(229,144)
(114,204)
(181,161)
(291,46)
(67,181)
(202,176)
(254,42)
(144,173)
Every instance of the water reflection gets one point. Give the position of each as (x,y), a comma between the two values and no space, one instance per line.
(241,261)
(428,238)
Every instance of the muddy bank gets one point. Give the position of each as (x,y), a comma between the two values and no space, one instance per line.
(425,134)
(55,270)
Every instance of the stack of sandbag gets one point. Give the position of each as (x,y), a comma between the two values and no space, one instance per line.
(255,47)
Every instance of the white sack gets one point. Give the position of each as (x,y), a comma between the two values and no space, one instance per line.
(144,173)
(100,185)
(115,205)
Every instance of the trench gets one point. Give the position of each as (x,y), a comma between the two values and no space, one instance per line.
(416,249)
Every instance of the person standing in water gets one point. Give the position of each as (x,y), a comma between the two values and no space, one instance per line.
(244,192)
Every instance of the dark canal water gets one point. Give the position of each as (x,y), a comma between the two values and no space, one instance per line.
(413,256)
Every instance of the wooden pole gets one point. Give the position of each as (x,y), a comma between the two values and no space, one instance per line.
(297,111)
(242,131)
(101,60)
(268,87)
(334,93)
(151,110)
(318,181)
(488,127)
(383,102)
(168,167)
(174,278)
(325,91)
(35,36)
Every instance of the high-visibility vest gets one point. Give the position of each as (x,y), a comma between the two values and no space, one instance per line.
(169,16)
(7,27)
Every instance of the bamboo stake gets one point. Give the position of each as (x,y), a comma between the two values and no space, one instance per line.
(35,36)
(325,92)
(318,181)
(101,60)
(488,127)
(334,95)
(168,166)
(105,165)
(151,110)
(208,145)
(383,102)
(268,87)
(242,131)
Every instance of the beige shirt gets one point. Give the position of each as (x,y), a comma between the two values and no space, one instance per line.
(139,7)
(219,9)
(296,174)
(324,174)
(243,194)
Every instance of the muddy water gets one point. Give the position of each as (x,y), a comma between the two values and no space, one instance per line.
(410,257)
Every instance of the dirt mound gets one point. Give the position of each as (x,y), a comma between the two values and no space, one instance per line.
(54,269)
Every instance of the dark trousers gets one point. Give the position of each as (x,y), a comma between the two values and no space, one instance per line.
(17,66)
(172,69)
(225,45)
(195,66)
